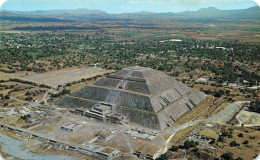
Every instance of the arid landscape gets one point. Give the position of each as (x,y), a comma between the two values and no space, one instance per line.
(93,85)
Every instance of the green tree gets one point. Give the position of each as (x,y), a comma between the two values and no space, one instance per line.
(190,144)
(28,93)
(225,133)
(174,148)
(255,106)
(220,139)
(163,157)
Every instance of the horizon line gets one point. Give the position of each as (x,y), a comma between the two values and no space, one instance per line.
(125,12)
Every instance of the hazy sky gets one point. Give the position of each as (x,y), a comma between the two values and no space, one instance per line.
(120,6)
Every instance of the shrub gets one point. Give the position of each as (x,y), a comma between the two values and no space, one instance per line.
(195,150)
(220,139)
(245,142)
(174,148)
(25,117)
(190,144)
(230,135)
(254,106)
(230,129)
(230,99)
(28,93)
(163,157)
(65,91)
(234,144)
(227,156)
(240,135)
(28,98)
(7,96)
(225,133)
(212,141)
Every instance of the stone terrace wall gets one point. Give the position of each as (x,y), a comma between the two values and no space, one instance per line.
(163,99)
(175,110)
(137,74)
(150,73)
(197,96)
(140,87)
(143,118)
(122,72)
(72,102)
(107,82)
(92,93)
(182,88)
(161,84)
(133,101)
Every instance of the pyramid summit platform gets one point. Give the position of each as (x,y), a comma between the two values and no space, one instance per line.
(136,94)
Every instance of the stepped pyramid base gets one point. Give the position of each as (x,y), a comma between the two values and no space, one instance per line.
(140,95)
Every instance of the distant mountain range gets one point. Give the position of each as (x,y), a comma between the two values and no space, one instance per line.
(75,12)
(250,13)
(85,14)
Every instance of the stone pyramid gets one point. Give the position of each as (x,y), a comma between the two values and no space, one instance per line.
(141,95)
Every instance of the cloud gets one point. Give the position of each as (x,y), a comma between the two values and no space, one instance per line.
(2,2)
(258,2)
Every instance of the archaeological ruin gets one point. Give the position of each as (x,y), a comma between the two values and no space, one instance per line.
(137,95)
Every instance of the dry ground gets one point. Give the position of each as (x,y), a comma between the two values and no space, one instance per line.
(246,151)
(62,76)
(248,118)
